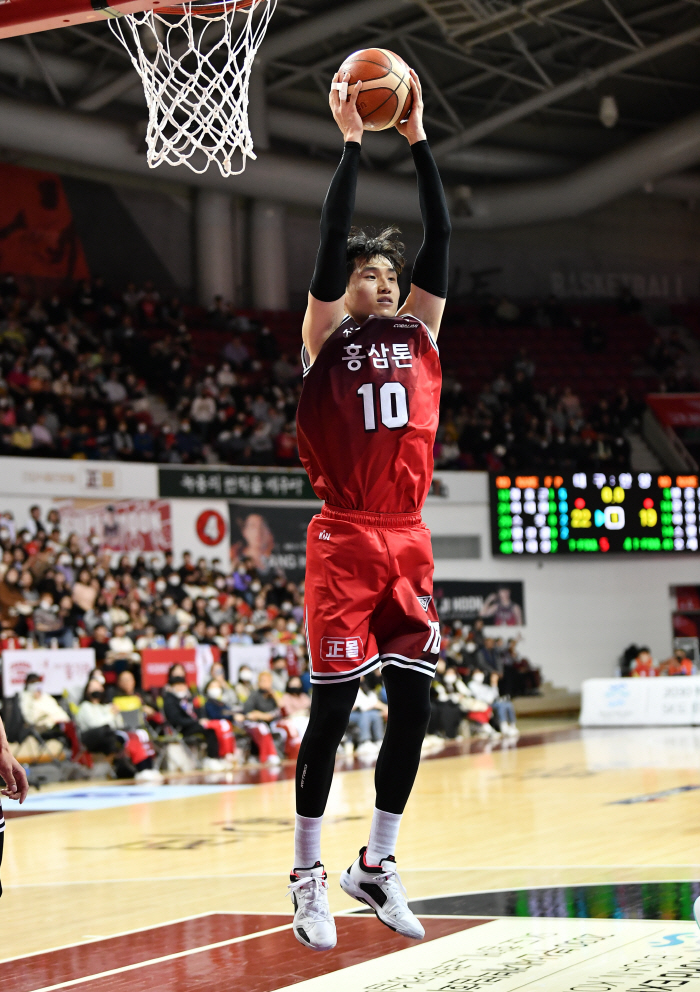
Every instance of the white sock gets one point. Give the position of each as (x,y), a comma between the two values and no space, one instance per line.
(307,841)
(383,835)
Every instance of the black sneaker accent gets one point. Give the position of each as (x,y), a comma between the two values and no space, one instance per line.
(374,891)
(302,934)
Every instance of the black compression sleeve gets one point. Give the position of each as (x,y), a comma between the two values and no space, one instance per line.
(329,278)
(431,268)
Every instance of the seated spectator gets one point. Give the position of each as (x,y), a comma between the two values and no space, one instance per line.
(368,716)
(121,649)
(280,676)
(487,692)
(180,713)
(244,686)
(678,664)
(217,676)
(127,700)
(49,624)
(295,705)
(98,722)
(40,710)
(85,591)
(262,712)
(445,711)
(135,713)
(644,666)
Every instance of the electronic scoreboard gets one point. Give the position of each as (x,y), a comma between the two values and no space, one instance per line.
(594,513)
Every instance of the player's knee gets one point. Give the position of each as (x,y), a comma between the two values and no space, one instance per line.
(421,712)
(332,722)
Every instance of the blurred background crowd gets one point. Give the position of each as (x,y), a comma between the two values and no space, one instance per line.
(102,374)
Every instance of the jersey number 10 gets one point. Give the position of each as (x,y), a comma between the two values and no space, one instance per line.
(393,405)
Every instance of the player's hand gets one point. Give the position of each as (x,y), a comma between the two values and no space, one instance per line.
(345,112)
(14,776)
(413,129)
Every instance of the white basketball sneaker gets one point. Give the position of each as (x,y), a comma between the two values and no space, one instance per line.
(380,888)
(696,911)
(314,925)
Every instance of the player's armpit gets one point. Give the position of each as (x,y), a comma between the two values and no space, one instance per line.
(426,307)
(320,320)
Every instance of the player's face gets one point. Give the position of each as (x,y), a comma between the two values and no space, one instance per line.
(373,288)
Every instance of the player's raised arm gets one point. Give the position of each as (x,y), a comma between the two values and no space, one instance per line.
(325,308)
(426,299)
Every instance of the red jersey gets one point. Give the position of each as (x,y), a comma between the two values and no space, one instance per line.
(368,415)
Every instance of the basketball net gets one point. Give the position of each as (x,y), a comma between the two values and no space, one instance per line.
(194,60)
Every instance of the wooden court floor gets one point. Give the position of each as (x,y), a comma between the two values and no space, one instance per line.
(604,807)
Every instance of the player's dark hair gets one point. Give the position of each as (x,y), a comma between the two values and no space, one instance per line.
(363,245)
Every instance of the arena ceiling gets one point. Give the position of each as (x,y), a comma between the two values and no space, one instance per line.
(512,89)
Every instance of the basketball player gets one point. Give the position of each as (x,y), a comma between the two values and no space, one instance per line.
(15,779)
(366,426)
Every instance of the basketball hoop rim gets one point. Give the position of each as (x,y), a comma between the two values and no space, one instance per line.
(207,8)
(20,17)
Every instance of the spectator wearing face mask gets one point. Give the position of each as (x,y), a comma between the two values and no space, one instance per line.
(47,622)
(98,722)
(368,716)
(503,709)
(244,686)
(228,693)
(295,705)
(445,710)
(39,709)
(280,676)
(179,711)
(261,715)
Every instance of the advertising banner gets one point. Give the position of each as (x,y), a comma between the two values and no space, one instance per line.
(498,604)
(201,526)
(255,656)
(140,525)
(676,409)
(156,662)
(61,478)
(62,669)
(243,483)
(655,702)
(273,536)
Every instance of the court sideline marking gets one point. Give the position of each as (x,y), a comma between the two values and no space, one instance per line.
(161,960)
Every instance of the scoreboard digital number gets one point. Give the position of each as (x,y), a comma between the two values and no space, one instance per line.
(594,513)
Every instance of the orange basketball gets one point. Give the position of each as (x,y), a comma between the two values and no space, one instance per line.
(386,97)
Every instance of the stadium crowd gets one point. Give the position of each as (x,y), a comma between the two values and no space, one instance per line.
(104,375)
(57,592)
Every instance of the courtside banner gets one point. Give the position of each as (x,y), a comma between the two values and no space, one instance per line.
(244,483)
(498,604)
(156,663)
(650,702)
(61,669)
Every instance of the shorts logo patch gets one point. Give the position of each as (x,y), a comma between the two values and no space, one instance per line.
(424,601)
(325,535)
(342,648)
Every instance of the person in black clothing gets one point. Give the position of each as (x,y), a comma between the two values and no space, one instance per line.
(180,713)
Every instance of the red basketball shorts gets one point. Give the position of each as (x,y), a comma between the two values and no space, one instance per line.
(369,594)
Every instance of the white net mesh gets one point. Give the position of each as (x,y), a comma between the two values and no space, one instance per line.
(194,60)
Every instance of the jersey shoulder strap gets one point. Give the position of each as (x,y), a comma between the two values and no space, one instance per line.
(410,316)
(306,362)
